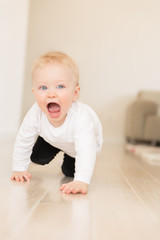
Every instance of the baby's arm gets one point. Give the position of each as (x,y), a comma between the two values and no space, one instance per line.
(74,187)
(23,145)
(85,147)
(21,176)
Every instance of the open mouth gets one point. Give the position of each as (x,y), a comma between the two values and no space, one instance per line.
(53,107)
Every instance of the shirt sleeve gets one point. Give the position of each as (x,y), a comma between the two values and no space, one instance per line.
(86,149)
(25,140)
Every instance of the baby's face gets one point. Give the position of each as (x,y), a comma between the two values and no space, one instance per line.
(55,90)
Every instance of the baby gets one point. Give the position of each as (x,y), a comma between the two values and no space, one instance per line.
(61,122)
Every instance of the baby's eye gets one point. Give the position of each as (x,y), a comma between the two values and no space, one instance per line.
(43,87)
(60,86)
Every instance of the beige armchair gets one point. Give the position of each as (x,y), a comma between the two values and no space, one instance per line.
(143,118)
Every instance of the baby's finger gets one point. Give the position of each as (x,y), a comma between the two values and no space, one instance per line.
(16,178)
(74,191)
(83,191)
(62,186)
(66,189)
(21,178)
(12,178)
(26,177)
(69,190)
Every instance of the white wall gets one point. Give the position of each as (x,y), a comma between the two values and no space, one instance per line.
(116,44)
(13,27)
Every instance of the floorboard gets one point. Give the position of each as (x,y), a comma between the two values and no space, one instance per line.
(122,202)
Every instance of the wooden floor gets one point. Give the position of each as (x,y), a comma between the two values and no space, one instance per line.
(123,202)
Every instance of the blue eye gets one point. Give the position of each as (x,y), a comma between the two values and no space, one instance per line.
(60,86)
(43,87)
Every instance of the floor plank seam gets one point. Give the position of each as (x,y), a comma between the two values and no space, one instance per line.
(149,174)
(18,231)
(137,195)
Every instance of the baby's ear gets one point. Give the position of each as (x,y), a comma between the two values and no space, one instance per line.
(33,90)
(76,93)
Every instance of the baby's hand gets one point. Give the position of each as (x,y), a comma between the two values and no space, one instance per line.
(21,176)
(74,187)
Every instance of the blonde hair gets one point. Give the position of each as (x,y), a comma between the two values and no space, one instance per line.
(56,57)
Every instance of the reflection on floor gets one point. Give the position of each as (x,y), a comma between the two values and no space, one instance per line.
(123,202)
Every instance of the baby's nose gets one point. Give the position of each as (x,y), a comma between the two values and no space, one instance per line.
(52,94)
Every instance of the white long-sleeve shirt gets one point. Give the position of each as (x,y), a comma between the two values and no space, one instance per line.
(80,137)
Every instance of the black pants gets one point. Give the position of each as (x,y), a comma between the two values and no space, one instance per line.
(43,153)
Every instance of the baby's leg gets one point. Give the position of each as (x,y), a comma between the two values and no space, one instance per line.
(68,166)
(43,152)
